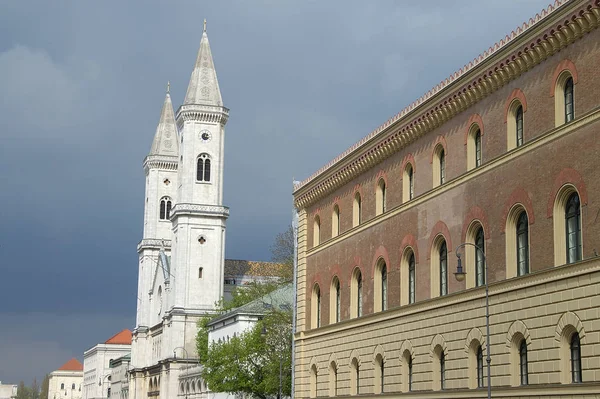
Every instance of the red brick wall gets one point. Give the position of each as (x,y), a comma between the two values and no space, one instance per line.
(534,173)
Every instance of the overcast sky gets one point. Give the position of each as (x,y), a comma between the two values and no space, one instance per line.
(82,86)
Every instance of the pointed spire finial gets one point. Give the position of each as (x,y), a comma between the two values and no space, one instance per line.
(168,86)
(204,24)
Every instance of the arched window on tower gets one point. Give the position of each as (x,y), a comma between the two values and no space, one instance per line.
(203,168)
(165,208)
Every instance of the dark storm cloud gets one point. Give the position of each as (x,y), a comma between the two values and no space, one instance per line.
(82,85)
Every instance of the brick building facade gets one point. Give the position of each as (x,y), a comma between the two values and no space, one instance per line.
(504,155)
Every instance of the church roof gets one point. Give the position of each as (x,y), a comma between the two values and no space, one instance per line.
(165,139)
(235,267)
(120,338)
(203,88)
(72,365)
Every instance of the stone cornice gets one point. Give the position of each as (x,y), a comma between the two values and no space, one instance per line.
(164,162)
(534,42)
(202,113)
(153,243)
(196,209)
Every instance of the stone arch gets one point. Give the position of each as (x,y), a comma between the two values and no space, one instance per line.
(380,253)
(379,352)
(333,359)
(313,363)
(382,174)
(475,119)
(439,228)
(474,335)
(438,340)
(407,346)
(475,214)
(409,241)
(517,328)
(354,355)
(409,159)
(440,140)
(518,197)
(568,324)
(567,176)
(518,95)
(564,65)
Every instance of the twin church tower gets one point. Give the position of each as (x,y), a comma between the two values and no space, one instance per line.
(181,254)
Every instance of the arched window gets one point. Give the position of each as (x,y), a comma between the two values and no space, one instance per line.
(478,148)
(333,379)
(443,269)
(522,244)
(356,294)
(479,258)
(569,103)
(439,165)
(355,377)
(316,231)
(573,228)
(335,221)
(335,301)
(313,381)
(410,373)
(165,208)
(203,168)
(479,367)
(359,293)
(575,358)
(523,362)
(411,278)
(380,281)
(408,183)
(72,386)
(379,375)
(380,197)
(62,386)
(356,211)
(519,125)
(316,307)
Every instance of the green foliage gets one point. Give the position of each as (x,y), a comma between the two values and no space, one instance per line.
(23,391)
(282,252)
(250,363)
(45,387)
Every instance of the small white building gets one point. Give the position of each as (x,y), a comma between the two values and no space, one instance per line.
(119,377)
(8,391)
(67,381)
(96,365)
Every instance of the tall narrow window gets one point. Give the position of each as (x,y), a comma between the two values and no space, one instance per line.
(523,363)
(410,373)
(442,370)
(522,244)
(576,358)
(443,269)
(569,104)
(338,301)
(333,377)
(479,367)
(316,231)
(442,167)
(62,386)
(203,168)
(411,183)
(165,208)
(316,307)
(573,227)
(359,294)
(477,148)
(355,377)
(356,211)
(384,287)
(411,278)
(380,197)
(480,258)
(408,183)
(519,125)
(335,221)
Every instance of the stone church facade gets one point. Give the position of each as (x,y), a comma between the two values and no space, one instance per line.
(501,156)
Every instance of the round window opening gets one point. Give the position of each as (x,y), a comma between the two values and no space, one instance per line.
(201,240)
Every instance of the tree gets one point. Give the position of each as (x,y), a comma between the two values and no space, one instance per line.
(22,391)
(45,387)
(282,251)
(253,362)
(34,391)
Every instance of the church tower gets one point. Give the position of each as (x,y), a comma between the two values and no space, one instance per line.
(160,167)
(199,216)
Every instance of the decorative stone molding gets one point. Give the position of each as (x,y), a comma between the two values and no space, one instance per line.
(517,327)
(501,64)
(202,113)
(164,162)
(354,355)
(474,335)
(195,209)
(569,321)
(379,352)
(153,243)
(438,340)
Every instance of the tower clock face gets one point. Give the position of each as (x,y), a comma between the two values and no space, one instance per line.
(205,135)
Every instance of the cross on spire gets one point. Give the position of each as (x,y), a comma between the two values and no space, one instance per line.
(204,24)
(168,87)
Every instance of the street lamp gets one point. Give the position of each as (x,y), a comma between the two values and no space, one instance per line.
(460,276)
(182,348)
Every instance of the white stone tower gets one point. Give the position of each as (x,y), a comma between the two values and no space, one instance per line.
(183,248)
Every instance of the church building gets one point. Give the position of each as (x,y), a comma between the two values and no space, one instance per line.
(483,191)
(182,267)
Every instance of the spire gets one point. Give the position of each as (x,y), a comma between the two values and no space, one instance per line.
(165,140)
(203,88)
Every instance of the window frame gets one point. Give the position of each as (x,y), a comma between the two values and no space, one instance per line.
(523,363)
(480,257)
(573,253)
(480,376)
(522,252)
(478,149)
(569,99)
(575,358)
(519,125)
(412,277)
(203,168)
(443,268)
